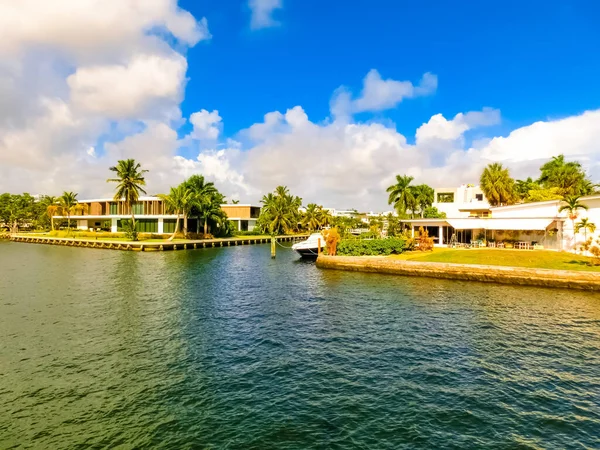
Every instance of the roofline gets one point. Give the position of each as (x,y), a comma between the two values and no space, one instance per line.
(545,202)
(480,218)
(240,204)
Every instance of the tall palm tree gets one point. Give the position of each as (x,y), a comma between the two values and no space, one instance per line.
(572,205)
(423,197)
(497,185)
(178,201)
(211,212)
(52,207)
(585,225)
(312,216)
(401,194)
(67,203)
(130,179)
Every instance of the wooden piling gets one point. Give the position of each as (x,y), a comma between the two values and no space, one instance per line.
(273,248)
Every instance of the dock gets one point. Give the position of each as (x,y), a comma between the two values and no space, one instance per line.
(152,246)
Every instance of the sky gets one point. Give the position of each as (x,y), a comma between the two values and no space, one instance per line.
(332,99)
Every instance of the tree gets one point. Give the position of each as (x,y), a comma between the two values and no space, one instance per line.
(178,201)
(401,194)
(572,205)
(51,206)
(130,179)
(585,225)
(17,210)
(497,185)
(423,197)
(205,199)
(280,212)
(313,217)
(433,213)
(567,177)
(543,195)
(523,187)
(67,202)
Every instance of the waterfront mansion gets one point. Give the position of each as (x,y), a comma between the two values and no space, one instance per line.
(469,218)
(150,216)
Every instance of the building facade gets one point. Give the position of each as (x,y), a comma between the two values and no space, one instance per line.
(469,217)
(150,216)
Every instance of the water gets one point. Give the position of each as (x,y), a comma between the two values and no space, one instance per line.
(227,349)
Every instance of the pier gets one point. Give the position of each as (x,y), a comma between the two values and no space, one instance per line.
(152,246)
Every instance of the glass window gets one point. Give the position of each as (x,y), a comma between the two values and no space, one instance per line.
(138,208)
(113,209)
(446,197)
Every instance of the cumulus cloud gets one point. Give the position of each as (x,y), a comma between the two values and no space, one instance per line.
(379,94)
(206,125)
(146,84)
(262,13)
(76,75)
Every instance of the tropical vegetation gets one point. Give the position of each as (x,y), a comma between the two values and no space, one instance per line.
(497,185)
(280,213)
(405,198)
(130,179)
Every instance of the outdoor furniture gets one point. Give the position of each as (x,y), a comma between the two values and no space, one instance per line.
(491,244)
(500,245)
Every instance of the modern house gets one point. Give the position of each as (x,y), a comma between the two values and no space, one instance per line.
(470,217)
(150,216)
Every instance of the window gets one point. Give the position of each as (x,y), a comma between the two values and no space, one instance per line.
(445,197)
(169,225)
(138,208)
(113,209)
(479,197)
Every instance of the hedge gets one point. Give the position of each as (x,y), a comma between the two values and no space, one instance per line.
(372,247)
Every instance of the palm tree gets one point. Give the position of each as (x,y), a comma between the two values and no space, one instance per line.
(497,185)
(52,208)
(211,212)
(423,197)
(312,217)
(67,203)
(130,181)
(572,204)
(523,187)
(280,212)
(401,194)
(178,202)
(586,225)
(203,194)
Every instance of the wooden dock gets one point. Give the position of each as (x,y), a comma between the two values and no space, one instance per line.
(152,246)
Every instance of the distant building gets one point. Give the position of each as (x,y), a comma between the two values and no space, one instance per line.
(151,217)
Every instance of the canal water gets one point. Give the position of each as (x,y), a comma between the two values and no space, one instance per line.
(228,349)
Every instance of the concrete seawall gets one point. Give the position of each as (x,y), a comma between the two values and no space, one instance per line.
(484,273)
(151,246)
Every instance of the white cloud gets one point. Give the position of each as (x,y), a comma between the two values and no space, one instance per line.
(262,13)
(78,27)
(439,127)
(379,94)
(206,125)
(146,84)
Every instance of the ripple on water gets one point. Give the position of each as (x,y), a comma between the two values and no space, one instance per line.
(226,348)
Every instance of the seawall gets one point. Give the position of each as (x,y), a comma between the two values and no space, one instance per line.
(151,246)
(467,272)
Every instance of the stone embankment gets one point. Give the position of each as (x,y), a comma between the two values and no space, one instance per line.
(468,272)
(150,246)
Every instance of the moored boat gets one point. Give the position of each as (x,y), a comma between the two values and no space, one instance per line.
(310,247)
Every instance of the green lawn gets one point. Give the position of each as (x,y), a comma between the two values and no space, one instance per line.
(541,259)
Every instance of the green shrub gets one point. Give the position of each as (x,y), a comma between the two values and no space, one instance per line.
(374,247)
(130,230)
(255,232)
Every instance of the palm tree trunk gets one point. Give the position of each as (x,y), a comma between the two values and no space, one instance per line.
(205,225)
(185,224)
(52,222)
(176,227)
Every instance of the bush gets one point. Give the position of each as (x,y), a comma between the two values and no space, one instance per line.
(130,230)
(255,232)
(357,247)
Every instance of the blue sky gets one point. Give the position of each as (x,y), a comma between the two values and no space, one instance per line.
(533,60)
(331,98)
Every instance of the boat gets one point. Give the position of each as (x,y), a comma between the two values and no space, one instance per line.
(310,247)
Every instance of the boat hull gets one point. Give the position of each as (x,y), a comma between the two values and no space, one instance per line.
(308,252)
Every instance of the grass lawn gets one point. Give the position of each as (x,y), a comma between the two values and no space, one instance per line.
(540,259)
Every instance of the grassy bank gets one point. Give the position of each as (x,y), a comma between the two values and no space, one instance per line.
(540,259)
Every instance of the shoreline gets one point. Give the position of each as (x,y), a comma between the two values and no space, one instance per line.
(521,276)
(150,246)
